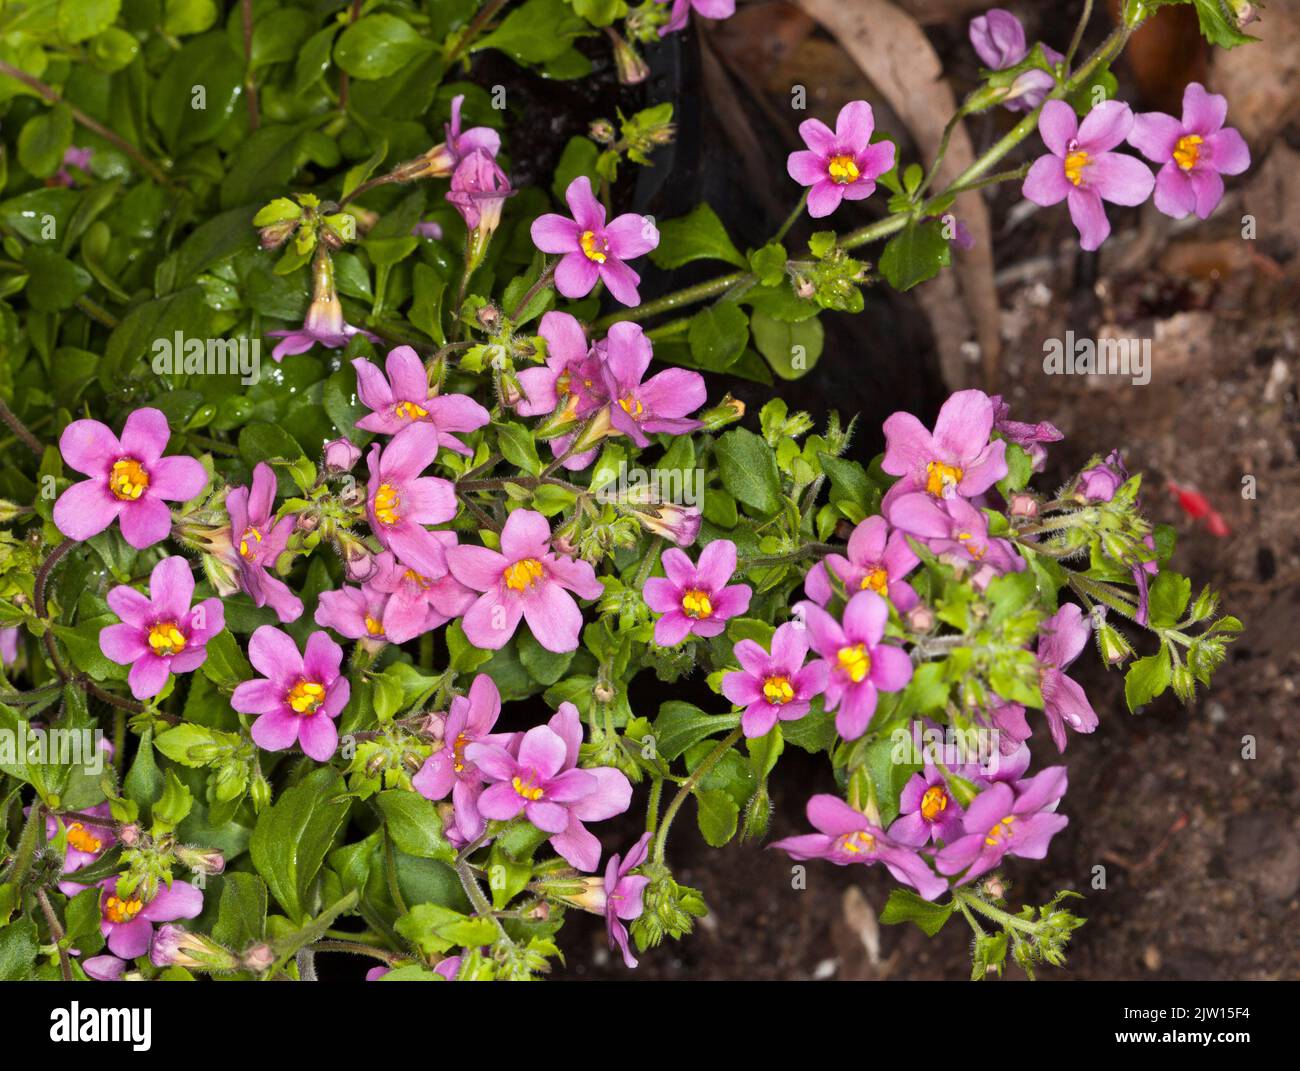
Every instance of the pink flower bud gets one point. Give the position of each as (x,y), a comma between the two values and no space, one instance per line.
(340,456)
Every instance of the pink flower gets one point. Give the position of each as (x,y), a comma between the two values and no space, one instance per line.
(160,634)
(840,164)
(86,842)
(1081,169)
(297,696)
(543,784)
(1061,639)
(1032,438)
(104,968)
(127,920)
(570,379)
(418,603)
(845,836)
(340,455)
(324,320)
(129,480)
(442,159)
(590,248)
(695,599)
(859,664)
(403,399)
(401,501)
(709,9)
(999,40)
(449,770)
(878,559)
(357,613)
(658,405)
(624,892)
(525,579)
(957,459)
(777,685)
(954,529)
(1003,820)
(927,811)
(479,189)
(1195,152)
(258,540)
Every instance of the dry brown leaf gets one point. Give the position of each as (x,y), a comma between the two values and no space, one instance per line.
(892,50)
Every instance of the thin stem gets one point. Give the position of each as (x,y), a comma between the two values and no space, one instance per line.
(543,280)
(484,15)
(688,786)
(1004,918)
(1077,39)
(808,550)
(792,218)
(250,83)
(57,933)
(52,96)
(354,9)
(358,949)
(20,430)
(39,604)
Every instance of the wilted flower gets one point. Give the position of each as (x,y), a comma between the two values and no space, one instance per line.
(340,455)
(324,320)
(623,895)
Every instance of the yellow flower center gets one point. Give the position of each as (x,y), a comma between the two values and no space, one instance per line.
(696,604)
(386,502)
(120,911)
(305,696)
(974,551)
(458,752)
(632,407)
(523,574)
(876,580)
(843,169)
(1002,829)
(933,803)
(82,839)
(1188,151)
(416,578)
(528,789)
(245,551)
(166,639)
(592,247)
(409,411)
(857,843)
(373,626)
(777,690)
(128,479)
(939,477)
(1075,162)
(855,662)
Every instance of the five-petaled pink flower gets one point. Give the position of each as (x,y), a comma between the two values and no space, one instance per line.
(845,836)
(956,459)
(1003,820)
(129,480)
(402,399)
(1194,152)
(776,686)
(297,696)
(527,579)
(160,633)
(696,599)
(859,665)
(570,379)
(448,770)
(542,782)
(127,919)
(257,540)
(661,403)
(592,249)
(1081,169)
(401,501)
(840,164)
(878,559)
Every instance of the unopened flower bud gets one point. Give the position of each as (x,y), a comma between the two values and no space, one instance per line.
(920,618)
(201,860)
(632,69)
(1024,506)
(175,946)
(728,411)
(358,562)
(678,524)
(259,958)
(306,521)
(129,835)
(603,693)
(488,317)
(340,455)
(601,131)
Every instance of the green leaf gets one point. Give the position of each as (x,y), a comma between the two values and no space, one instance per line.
(1218,24)
(679,725)
(82,19)
(699,235)
(905,906)
(241,916)
(748,469)
(538,31)
(717,336)
(435,929)
(183,17)
(415,826)
(579,158)
(378,45)
(1168,599)
(44,139)
(791,348)
(915,255)
(17,950)
(226,665)
(849,482)
(718,816)
(54,282)
(1147,678)
(292,836)
(518,446)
